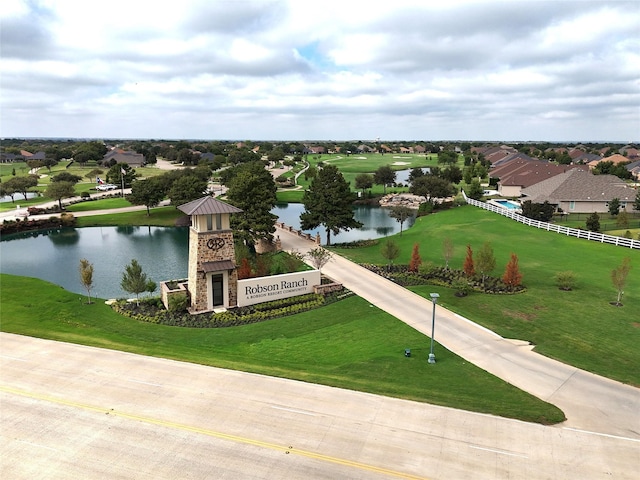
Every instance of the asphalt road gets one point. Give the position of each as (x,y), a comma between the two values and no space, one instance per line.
(70,411)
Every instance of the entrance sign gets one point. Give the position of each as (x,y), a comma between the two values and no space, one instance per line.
(275,287)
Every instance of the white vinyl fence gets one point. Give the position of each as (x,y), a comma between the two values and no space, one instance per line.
(572,232)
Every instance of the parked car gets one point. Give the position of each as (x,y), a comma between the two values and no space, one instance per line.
(105,187)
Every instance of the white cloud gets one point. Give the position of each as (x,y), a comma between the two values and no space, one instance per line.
(547,70)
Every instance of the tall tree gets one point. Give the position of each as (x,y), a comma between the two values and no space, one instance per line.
(485,260)
(475,190)
(384,176)
(619,278)
(148,192)
(401,214)
(119,171)
(187,188)
(364,181)
(134,280)
(468,266)
(66,177)
(21,185)
(86,277)
(253,190)
(512,276)
(327,202)
(430,186)
(60,190)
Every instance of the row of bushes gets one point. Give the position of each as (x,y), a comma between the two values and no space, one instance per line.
(152,311)
(17,226)
(432,275)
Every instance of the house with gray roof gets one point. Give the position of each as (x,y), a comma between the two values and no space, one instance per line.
(579,191)
(520,173)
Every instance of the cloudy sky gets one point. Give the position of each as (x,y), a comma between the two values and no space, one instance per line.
(321,69)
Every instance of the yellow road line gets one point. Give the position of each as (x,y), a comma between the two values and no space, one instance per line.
(211,433)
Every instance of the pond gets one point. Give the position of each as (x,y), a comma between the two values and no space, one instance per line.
(54,255)
(163,252)
(376,220)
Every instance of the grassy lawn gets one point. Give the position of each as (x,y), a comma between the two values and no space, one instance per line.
(160,217)
(578,327)
(101,204)
(348,344)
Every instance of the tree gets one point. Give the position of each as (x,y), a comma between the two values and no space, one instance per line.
(7,190)
(622,220)
(636,202)
(619,278)
(475,190)
(60,190)
(384,176)
(416,260)
(327,202)
(66,177)
(416,172)
(452,173)
(468,267)
(447,251)
(86,277)
(244,270)
(401,214)
(447,157)
(21,185)
(390,251)
(614,207)
(593,222)
(512,276)
(115,174)
(187,188)
(148,192)
(538,211)
(364,181)
(319,257)
(485,260)
(134,280)
(430,186)
(253,190)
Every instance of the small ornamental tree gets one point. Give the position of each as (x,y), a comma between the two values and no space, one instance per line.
(614,207)
(593,222)
(512,276)
(416,261)
(447,251)
(468,267)
(622,221)
(319,257)
(390,251)
(485,260)
(619,278)
(86,277)
(565,280)
(134,280)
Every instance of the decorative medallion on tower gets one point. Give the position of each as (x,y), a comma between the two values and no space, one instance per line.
(213,280)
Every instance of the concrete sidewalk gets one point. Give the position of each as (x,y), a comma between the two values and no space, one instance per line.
(589,401)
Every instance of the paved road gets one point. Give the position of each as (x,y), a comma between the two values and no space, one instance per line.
(589,401)
(70,411)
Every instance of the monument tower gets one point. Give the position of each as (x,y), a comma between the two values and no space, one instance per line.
(212,277)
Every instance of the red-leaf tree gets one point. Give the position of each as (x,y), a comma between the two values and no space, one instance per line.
(512,276)
(416,261)
(244,271)
(468,267)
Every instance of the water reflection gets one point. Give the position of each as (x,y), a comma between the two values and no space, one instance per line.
(54,255)
(376,220)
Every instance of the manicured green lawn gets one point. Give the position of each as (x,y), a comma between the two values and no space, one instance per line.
(348,344)
(160,217)
(578,327)
(102,204)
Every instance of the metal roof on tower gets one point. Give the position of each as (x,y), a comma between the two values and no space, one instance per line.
(207,206)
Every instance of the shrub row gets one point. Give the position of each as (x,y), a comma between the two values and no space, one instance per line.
(431,275)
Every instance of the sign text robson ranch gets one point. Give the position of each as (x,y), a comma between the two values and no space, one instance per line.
(264,289)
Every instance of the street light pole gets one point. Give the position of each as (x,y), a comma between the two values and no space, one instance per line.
(434,298)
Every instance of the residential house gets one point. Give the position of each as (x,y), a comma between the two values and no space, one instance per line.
(419,149)
(520,173)
(634,168)
(616,158)
(132,159)
(580,191)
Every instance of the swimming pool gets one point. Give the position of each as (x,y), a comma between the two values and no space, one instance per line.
(507,204)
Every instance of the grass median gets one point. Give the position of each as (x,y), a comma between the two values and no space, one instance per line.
(349,344)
